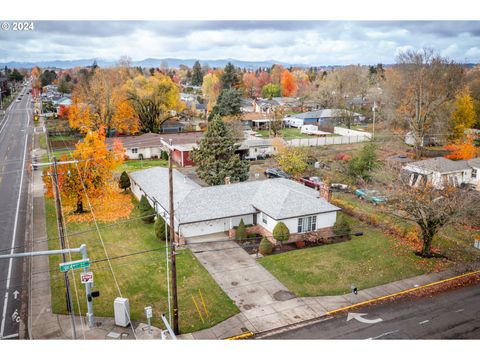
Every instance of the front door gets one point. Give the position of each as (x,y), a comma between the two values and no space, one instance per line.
(255,219)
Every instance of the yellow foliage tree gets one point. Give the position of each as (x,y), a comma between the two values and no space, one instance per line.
(155,99)
(102,102)
(92,175)
(464,115)
(293,160)
(211,87)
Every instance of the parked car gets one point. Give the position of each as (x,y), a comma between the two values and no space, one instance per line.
(312,181)
(250,158)
(372,196)
(277,173)
(339,186)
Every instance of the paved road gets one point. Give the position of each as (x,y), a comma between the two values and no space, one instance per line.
(450,315)
(14,179)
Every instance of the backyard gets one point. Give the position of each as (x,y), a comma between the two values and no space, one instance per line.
(366,261)
(138,262)
(286,133)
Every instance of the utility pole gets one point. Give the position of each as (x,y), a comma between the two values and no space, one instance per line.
(373,128)
(172,236)
(61,235)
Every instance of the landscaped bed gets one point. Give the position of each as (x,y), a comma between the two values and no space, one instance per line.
(366,261)
(142,278)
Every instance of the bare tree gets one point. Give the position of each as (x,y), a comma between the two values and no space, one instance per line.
(432,209)
(418,90)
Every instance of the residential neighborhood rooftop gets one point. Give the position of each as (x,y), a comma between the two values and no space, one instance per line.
(440,164)
(279,198)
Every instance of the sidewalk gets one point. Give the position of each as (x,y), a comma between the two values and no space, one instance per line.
(276,313)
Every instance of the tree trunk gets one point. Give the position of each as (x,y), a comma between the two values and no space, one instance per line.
(79,209)
(428,232)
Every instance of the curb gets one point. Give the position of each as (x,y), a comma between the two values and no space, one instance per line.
(328,314)
(245,335)
(366,302)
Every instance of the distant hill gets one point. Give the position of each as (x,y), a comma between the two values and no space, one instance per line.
(148,63)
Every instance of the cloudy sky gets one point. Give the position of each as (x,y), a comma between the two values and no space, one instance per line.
(307,42)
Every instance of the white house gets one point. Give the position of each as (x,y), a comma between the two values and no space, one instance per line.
(211,213)
(254,148)
(320,117)
(440,171)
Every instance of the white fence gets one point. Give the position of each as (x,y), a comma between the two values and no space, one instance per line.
(330,140)
(349,132)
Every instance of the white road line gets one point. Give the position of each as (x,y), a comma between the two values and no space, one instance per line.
(5,303)
(384,334)
(11,336)
(4,122)
(423,322)
(459,310)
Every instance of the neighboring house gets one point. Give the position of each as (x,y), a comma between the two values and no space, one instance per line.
(325,117)
(181,154)
(427,140)
(148,145)
(440,171)
(253,148)
(172,126)
(209,213)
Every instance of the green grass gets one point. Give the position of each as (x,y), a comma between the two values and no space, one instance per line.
(141,278)
(135,165)
(287,133)
(63,138)
(366,261)
(453,241)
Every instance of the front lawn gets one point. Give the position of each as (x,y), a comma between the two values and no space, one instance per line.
(135,165)
(366,261)
(141,277)
(287,134)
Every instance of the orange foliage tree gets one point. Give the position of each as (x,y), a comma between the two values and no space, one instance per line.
(250,82)
(288,84)
(63,112)
(103,102)
(92,175)
(462,151)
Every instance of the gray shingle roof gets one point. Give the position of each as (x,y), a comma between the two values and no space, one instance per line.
(474,162)
(440,164)
(324,113)
(279,198)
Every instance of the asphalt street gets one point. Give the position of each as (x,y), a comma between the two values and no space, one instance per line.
(14,181)
(451,315)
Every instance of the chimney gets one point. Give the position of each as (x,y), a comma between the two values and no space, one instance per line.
(325,192)
(227,180)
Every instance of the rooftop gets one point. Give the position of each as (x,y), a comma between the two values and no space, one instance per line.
(279,198)
(324,113)
(153,140)
(441,165)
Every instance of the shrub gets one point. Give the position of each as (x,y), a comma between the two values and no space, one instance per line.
(124,181)
(281,232)
(300,244)
(160,228)
(265,247)
(342,227)
(164,155)
(146,211)
(241,232)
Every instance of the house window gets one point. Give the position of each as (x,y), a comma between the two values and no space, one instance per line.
(264,218)
(307,223)
(134,150)
(474,173)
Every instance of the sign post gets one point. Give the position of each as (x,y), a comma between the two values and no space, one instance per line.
(148,315)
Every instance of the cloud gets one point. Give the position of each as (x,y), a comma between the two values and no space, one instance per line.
(313,42)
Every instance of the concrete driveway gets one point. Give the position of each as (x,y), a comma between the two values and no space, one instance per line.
(263,300)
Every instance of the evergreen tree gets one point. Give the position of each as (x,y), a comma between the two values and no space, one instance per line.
(197,75)
(146,211)
(228,103)
(229,77)
(362,165)
(215,157)
(281,232)
(342,226)
(241,232)
(160,229)
(265,247)
(124,181)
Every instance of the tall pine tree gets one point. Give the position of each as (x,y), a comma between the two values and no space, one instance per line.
(215,157)
(197,76)
(230,77)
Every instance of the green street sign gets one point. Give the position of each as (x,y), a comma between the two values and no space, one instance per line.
(78,264)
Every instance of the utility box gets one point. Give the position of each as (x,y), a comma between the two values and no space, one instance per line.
(121,308)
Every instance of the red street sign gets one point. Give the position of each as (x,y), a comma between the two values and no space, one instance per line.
(86,277)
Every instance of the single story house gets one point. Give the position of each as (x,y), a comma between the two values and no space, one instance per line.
(147,146)
(181,154)
(211,213)
(440,171)
(324,117)
(252,148)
